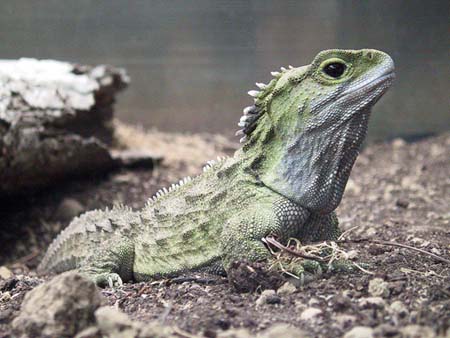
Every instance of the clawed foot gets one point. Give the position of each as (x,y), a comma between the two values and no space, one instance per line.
(305,270)
(308,262)
(108,280)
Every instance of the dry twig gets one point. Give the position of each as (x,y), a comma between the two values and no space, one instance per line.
(275,243)
(400,245)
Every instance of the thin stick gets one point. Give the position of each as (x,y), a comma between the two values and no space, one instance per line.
(400,245)
(275,243)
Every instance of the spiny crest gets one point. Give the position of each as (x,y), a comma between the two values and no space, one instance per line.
(164,191)
(183,181)
(119,207)
(211,163)
(248,121)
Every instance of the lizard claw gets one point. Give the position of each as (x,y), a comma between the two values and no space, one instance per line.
(304,271)
(108,279)
(114,280)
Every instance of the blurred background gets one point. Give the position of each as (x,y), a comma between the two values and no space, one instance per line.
(192,62)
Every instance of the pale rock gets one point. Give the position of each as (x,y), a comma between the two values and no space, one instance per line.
(436,251)
(278,330)
(370,232)
(348,293)
(236,333)
(314,302)
(5,273)
(310,313)
(399,309)
(266,297)
(359,332)
(368,302)
(60,307)
(286,289)
(352,254)
(378,288)
(89,332)
(114,323)
(417,331)
(5,297)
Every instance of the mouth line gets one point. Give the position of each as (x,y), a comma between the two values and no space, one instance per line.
(388,75)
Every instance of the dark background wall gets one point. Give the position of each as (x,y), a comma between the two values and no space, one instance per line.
(191,62)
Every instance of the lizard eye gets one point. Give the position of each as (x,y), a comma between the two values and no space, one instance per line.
(335,69)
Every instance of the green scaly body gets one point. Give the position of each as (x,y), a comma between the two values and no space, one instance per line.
(301,138)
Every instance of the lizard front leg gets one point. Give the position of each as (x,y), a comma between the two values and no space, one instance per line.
(244,233)
(111,264)
(242,236)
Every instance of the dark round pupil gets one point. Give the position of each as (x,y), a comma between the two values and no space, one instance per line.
(335,69)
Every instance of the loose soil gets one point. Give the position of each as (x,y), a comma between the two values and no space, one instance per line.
(398,192)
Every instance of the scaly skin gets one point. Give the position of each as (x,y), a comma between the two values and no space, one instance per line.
(301,138)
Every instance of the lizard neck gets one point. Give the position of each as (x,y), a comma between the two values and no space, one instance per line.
(313,169)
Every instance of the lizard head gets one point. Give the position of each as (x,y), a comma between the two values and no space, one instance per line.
(305,129)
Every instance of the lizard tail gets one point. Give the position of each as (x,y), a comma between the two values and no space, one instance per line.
(82,238)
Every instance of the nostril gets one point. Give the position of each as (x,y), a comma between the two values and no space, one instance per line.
(370,55)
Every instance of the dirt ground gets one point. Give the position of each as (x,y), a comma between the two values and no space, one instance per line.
(398,192)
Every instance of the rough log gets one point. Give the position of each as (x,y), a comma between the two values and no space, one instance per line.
(54,121)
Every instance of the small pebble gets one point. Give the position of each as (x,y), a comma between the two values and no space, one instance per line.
(5,273)
(378,288)
(436,251)
(286,289)
(401,203)
(398,309)
(268,297)
(310,313)
(372,302)
(416,331)
(314,302)
(5,297)
(283,330)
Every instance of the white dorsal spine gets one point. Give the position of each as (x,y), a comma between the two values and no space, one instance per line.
(254,93)
(164,191)
(260,85)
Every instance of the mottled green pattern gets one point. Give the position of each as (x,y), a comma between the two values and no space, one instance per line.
(301,138)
